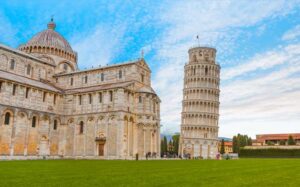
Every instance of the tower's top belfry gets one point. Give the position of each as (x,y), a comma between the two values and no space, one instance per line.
(202,55)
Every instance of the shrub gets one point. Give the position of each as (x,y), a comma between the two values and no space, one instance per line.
(282,142)
(270,153)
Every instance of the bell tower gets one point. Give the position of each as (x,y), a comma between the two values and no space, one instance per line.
(200,105)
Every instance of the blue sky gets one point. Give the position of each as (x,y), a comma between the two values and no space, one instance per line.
(258,45)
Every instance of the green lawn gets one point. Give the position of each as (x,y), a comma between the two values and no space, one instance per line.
(243,172)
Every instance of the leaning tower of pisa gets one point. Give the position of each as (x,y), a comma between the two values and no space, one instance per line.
(200,105)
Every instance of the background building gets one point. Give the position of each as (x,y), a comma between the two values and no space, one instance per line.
(200,106)
(48,107)
(275,139)
(227,146)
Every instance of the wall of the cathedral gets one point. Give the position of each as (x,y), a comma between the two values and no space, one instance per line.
(105,75)
(45,122)
(57,136)
(29,97)
(25,65)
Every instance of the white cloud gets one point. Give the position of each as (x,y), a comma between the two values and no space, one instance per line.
(292,34)
(99,46)
(262,62)
(271,99)
(218,23)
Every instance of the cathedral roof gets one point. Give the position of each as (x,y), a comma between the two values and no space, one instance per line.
(49,38)
(145,89)
(27,81)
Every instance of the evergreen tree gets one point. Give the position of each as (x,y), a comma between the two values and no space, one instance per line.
(175,139)
(291,140)
(240,141)
(222,151)
(162,147)
(250,141)
(170,147)
(235,144)
(165,144)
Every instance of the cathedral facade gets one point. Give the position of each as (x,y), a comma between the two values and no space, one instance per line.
(50,108)
(200,105)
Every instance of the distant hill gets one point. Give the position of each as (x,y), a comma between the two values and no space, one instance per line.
(225,139)
(169,136)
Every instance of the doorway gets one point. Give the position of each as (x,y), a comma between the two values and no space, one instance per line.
(43,149)
(101,149)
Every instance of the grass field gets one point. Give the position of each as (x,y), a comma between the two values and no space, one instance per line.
(243,172)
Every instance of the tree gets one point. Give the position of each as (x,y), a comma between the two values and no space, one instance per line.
(162,147)
(175,139)
(235,144)
(222,151)
(281,142)
(240,141)
(165,144)
(249,141)
(291,140)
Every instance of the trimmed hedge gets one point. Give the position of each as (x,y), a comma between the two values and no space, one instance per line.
(269,153)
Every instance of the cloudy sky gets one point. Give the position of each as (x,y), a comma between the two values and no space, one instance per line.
(258,44)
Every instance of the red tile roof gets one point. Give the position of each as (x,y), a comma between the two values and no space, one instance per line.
(263,137)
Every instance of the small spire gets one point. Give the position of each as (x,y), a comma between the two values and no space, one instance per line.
(142,53)
(198,40)
(51,24)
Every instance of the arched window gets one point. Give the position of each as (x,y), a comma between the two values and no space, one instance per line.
(120,74)
(102,76)
(206,70)
(79,99)
(100,97)
(111,95)
(55,125)
(140,99)
(65,66)
(194,58)
(28,70)
(90,98)
(44,96)
(85,79)
(7,118)
(142,77)
(27,92)
(71,81)
(12,64)
(54,99)
(33,123)
(14,89)
(81,127)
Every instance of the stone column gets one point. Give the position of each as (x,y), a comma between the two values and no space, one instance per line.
(135,139)
(13,132)
(27,134)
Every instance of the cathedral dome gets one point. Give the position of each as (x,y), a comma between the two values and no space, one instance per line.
(48,39)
